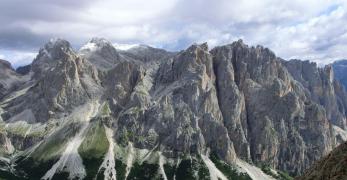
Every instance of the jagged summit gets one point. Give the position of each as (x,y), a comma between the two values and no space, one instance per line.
(196,114)
(5,64)
(57,43)
(100,53)
(8,78)
(55,47)
(203,46)
(96,44)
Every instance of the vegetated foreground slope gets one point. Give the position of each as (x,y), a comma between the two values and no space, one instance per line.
(333,166)
(146,113)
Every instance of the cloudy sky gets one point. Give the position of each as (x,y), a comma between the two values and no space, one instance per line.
(310,29)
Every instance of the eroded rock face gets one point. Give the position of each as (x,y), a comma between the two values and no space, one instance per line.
(233,101)
(61,80)
(179,111)
(340,68)
(101,53)
(277,122)
(322,88)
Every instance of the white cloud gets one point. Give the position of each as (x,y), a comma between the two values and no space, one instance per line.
(124,46)
(18,58)
(311,29)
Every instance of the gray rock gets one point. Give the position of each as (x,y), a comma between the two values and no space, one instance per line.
(234,101)
(9,79)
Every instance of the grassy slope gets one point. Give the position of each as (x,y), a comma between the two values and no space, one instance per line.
(93,148)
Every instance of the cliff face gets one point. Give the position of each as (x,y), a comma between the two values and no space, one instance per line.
(322,88)
(232,102)
(340,68)
(278,123)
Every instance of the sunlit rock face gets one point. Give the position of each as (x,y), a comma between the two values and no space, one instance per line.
(146,106)
(268,113)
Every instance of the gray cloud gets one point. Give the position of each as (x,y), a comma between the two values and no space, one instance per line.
(314,29)
(20,38)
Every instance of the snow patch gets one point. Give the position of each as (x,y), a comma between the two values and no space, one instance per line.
(215,173)
(90,46)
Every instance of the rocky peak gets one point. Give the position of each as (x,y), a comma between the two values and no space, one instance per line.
(194,62)
(56,48)
(329,73)
(322,88)
(100,41)
(340,71)
(9,79)
(100,53)
(54,52)
(234,101)
(5,64)
(147,54)
(262,107)
(61,80)
(96,44)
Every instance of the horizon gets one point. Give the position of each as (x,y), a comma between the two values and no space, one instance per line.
(311,30)
(125,47)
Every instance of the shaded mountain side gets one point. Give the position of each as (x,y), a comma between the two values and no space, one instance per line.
(10,80)
(340,69)
(332,166)
(24,70)
(234,103)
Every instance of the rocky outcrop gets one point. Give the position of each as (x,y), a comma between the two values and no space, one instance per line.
(179,112)
(340,68)
(147,54)
(278,124)
(322,88)
(101,53)
(9,79)
(61,80)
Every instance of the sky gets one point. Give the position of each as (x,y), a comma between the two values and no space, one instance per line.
(313,30)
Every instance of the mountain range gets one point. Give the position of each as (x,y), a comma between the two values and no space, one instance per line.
(231,112)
